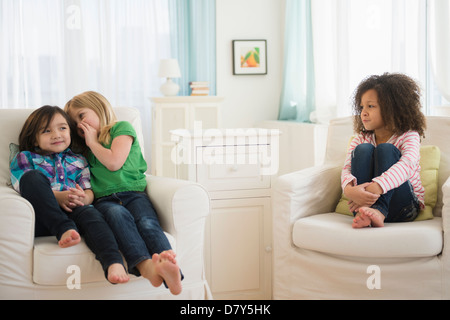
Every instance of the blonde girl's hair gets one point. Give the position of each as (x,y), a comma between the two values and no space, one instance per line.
(101,106)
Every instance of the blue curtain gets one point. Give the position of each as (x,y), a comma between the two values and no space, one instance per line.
(298,91)
(193,41)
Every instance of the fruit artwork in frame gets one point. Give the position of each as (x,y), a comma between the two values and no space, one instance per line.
(249,57)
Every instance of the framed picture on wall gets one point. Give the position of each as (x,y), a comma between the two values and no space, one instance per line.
(249,57)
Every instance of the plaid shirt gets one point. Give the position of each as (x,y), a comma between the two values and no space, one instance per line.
(64,170)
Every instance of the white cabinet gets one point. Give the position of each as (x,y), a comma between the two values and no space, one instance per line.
(236,167)
(171,113)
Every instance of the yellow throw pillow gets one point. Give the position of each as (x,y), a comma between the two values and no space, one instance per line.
(430,157)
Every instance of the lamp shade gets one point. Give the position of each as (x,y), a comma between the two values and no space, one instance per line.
(169,68)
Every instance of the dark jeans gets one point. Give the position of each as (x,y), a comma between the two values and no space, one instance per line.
(52,220)
(135,224)
(368,161)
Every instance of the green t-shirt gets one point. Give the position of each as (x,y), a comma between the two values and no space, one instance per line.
(131,177)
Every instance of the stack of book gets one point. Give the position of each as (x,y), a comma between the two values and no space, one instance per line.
(199,88)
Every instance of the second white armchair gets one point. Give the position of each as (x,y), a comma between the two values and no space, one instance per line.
(318,255)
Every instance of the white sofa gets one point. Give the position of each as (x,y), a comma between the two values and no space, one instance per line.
(37,268)
(318,255)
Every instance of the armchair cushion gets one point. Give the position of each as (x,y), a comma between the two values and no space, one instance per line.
(47,254)
(430,157)
(333,233)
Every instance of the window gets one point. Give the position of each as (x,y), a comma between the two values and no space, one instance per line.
(357,38)
(353,39)
(54,49)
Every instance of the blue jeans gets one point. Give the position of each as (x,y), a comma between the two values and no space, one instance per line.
(135,224)
(52,220)
(397,205)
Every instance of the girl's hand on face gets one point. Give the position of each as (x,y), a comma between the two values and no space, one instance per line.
(90,134)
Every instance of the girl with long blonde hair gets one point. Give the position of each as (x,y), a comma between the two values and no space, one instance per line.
(119,182)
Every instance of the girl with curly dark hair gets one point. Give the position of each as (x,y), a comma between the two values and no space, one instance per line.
(381,175)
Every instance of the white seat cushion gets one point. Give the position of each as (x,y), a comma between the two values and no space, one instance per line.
(332,233)
(51,263)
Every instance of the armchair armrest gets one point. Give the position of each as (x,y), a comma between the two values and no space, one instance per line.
(182,208)
(301,194)
(446,194)
(298,195)
(446,236)
(179,203)
(16,238)
(307,192)
(446,214)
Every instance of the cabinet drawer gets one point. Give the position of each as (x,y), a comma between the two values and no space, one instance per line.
(232,167)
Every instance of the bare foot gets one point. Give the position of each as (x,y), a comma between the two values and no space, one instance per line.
(147,270)
(162,267)
(168,270)
(69,238)
(117,273)
(169,255)
(368,217)
(361,221)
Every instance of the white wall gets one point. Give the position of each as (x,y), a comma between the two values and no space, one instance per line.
(249,99)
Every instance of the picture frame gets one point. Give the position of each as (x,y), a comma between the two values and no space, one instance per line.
(249,57)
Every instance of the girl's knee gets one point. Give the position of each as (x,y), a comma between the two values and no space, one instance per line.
(116,214)
(86,213)
(33,180)
(364,149)
(387,149)
(386,146)
(386,155)
(149,223)
(33,175)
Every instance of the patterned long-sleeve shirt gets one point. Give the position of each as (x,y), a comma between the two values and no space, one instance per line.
(407,168)
(64,170)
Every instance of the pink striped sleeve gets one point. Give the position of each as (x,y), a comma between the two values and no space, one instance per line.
(346,175)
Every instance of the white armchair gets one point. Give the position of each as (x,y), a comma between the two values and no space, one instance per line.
(318,255)
(37,268)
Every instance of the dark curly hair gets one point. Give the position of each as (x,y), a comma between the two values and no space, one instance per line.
(399,100)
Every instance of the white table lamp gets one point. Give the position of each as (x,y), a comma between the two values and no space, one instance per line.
(169,69)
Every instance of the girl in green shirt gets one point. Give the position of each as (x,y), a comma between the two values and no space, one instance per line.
(118,182)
